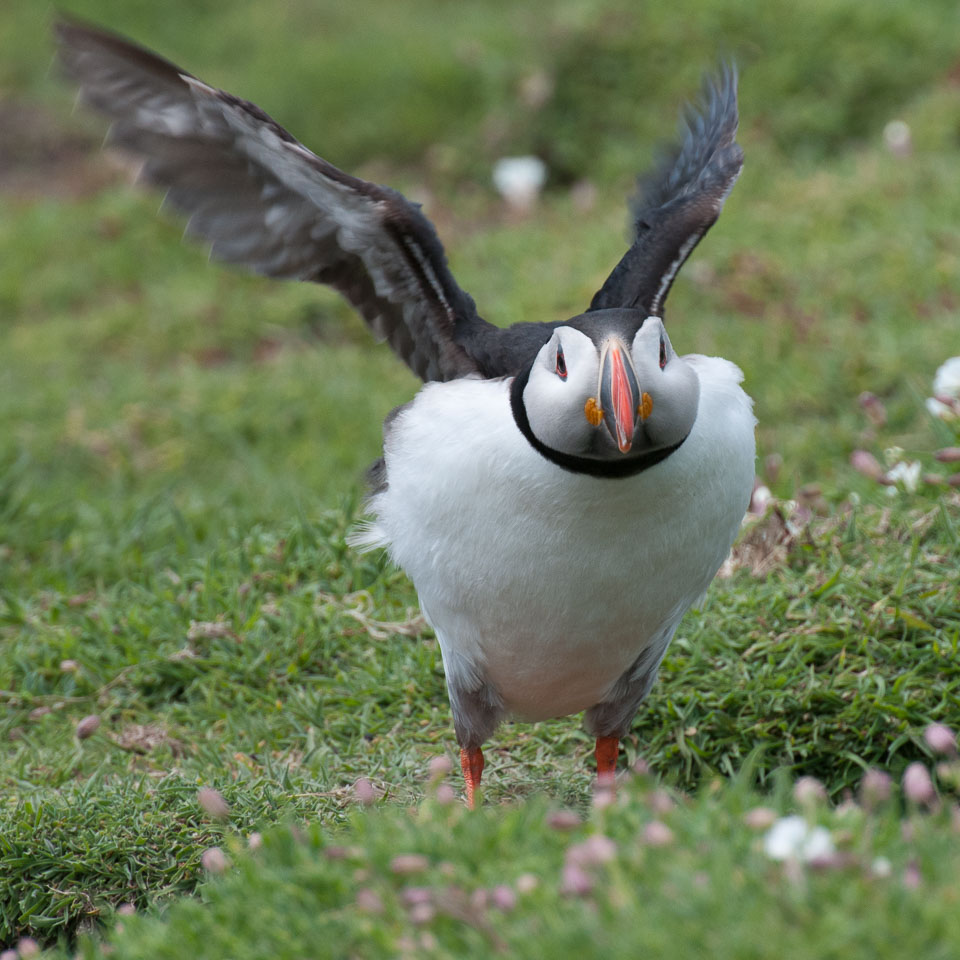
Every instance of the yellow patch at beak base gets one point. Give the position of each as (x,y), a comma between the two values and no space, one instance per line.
(593,412)
(646,406)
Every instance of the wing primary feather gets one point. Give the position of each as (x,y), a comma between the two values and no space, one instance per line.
(262,200)
(678,202)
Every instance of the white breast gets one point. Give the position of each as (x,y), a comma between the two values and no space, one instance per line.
(547,583)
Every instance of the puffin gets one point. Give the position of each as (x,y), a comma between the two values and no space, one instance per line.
(560,491)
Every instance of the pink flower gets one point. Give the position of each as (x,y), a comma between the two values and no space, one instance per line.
(875,789)
(596,849)
(213,803)
(439,767)
(911,876)
(809,790)
(368,901)
(866,463)
(503,898)
(445,795)
(563,820)
(213,860)
(576,881)
(364,792)
(917,785)
(411,896)
(941,739)
(760,818)
(87,727)
(659,801)
(407,863)
(873,407)
(657,834)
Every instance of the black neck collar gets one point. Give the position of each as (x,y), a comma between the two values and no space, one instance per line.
(595,468)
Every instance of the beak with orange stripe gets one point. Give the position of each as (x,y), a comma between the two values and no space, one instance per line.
(619,403)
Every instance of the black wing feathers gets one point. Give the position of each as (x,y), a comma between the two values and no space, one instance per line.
(261,199)
(678,201)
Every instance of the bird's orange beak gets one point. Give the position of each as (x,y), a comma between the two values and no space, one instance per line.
(619,393)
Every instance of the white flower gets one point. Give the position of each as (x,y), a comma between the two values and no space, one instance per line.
(937,408)
(946,381)
(792,838)
(906,472)
(519,179)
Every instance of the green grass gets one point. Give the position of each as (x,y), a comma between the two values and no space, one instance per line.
(183,446)
(496,882)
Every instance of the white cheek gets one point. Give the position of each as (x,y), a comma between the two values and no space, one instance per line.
(555,409)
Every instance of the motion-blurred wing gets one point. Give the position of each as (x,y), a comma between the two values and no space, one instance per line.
(263,200)
(678,202)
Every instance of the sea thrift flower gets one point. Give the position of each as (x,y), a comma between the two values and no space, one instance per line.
(563,820)
(809,790)
(875,789)
(422,914)
(659,801)
(604,796)
(411,896)
(213,803)
(479,899)
(906,473)
(368,901)
(760,818)
(213,860)
(657,834)
(792,838)
(946,389)
(126,910)
(917,785)
(519,180)
(881,867)
(28,947)
(445,795)
(254,841)
(439,767)
(896,137)
(9,955)
(873,407)
(527,882)
(866,463)
(911,876)
(594,850)
(941,739)
(407,863)
(503,898)
(946,381)
(87,727)
(364,793)
(760,497)
(576,881)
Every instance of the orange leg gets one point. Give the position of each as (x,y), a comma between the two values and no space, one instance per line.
(606,753)
(471,763)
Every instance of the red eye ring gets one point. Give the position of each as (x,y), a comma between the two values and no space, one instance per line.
(663,353)
(561,364)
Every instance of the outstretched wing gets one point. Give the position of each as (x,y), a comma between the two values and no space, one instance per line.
(261,199)
(679,201)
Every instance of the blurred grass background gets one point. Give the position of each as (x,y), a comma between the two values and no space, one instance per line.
(183,444)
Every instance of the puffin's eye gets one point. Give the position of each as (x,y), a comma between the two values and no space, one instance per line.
(561,364)
(663,353)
